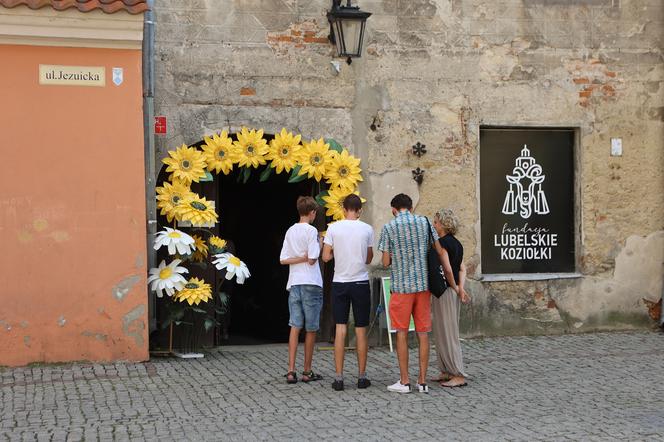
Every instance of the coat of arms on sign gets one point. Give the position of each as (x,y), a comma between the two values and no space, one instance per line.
(527,178)
(118,76)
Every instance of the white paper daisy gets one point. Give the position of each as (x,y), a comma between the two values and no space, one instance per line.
(175,240)
(167,278)
(234,267)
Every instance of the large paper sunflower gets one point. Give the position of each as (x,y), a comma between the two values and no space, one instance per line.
(194,291)
(219,152)
(314,158)
(334,202)
(344,171)
(186,163)
(201,249)
(169,196)
(252,148)
(167,278)
(198,211)
(217,245)
(283,151)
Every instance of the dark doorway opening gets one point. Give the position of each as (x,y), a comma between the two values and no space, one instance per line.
(255,216)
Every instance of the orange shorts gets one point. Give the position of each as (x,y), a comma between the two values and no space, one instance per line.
(403,305)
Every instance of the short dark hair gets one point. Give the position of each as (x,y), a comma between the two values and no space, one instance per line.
(402,201)
(305,204)
(352,203)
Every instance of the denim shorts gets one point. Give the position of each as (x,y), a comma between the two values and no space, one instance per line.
(304,304)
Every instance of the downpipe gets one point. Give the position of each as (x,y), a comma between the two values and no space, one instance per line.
(149,151)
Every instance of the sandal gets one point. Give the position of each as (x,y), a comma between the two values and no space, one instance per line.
(291,377)
(309,376)
(442,378)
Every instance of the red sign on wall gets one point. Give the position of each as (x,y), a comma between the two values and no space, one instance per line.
(160,125)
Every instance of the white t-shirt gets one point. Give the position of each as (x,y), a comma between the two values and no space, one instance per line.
(302,239)
(349,240)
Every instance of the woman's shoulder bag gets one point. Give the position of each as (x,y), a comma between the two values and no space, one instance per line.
(437,282)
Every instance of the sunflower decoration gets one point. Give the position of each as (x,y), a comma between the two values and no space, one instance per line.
(283,151)
(252,148)
(201,250)
(197,210)
(344,171)
(187,164)
(219,152)
(217,245)
(194,291)
(315,158)
(334,202)
(169,195)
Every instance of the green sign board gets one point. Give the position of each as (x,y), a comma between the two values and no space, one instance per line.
(385,280)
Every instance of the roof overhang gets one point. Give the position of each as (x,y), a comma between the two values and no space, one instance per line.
(70,28)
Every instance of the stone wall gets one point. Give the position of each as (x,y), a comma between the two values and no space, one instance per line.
(434,71)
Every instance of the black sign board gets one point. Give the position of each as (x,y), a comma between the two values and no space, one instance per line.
(527,200)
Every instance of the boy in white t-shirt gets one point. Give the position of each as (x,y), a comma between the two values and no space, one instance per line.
(350,243)
(305,285)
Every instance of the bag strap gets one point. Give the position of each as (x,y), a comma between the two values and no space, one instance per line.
(430,234)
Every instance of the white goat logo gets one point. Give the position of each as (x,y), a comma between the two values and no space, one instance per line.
(527,178)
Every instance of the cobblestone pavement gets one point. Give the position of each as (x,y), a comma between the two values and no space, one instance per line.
(581,387)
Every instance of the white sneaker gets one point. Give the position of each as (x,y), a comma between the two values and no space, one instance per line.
(398,387)
(423,388)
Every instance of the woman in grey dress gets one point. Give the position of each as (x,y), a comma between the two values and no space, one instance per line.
(446,308)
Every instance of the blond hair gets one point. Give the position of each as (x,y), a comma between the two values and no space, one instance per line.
(448,220)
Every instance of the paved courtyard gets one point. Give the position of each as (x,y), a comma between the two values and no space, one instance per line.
(607,386)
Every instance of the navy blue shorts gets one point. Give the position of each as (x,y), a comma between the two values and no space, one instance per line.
(356,293)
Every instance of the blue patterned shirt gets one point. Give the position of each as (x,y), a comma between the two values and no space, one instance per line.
(407,239)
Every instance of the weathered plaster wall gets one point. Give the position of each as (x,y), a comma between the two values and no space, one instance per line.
(72,211)
(434,71)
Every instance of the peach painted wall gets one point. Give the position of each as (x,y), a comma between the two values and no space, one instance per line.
(72,210)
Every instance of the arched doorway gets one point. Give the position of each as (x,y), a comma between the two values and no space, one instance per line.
(254,215)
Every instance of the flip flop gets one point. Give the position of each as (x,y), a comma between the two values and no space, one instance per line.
(447,385)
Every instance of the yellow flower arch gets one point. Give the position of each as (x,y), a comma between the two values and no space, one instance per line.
(321,159)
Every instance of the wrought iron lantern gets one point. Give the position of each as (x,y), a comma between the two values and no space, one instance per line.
(347,29)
